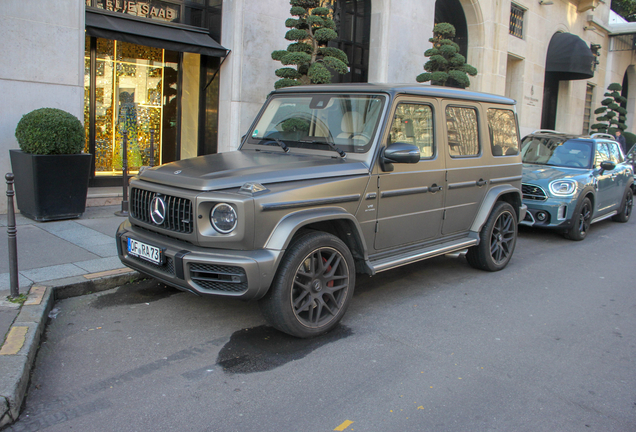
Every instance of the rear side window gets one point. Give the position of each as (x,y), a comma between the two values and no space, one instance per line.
(413,124)
(463,131)
(504,139)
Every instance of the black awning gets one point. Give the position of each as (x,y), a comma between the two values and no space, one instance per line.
(158,35)
(569,58)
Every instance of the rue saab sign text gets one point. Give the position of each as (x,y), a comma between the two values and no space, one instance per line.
(154,9)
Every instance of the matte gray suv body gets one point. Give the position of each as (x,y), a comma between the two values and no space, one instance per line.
(332,181)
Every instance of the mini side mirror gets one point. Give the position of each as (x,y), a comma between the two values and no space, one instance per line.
(398,153)
(607,166)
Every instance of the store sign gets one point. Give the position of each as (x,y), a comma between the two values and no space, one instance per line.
(153,9)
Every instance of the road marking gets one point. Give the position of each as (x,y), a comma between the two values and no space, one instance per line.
(15,340)
(344,425)
(35,295)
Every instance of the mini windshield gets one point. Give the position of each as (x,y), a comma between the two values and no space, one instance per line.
(315,121)
(572,153)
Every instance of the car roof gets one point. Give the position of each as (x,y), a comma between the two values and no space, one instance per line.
(397,89)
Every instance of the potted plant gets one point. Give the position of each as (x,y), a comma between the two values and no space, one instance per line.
(51,172)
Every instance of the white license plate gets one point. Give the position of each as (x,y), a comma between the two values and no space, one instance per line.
(144,251)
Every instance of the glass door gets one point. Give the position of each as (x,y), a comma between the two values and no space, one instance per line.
(135,95)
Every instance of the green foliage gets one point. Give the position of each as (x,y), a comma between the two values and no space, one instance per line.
(630,139)
(445,65)
(612,115)
(625,8)
(48,131)
(311,61)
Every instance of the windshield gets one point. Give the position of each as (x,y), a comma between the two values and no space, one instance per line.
(312,121)
(572,153)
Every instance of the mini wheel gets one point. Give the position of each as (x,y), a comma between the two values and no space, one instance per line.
(626,208)
(497,239)
(312,287)
(581,221)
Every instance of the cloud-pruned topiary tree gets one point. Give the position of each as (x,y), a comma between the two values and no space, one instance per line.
(308,58)
(613,115)
(445,63)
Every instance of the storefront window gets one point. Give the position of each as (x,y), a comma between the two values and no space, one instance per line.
(136,95)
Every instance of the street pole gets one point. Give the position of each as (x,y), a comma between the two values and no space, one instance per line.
(12,235)
(124,174)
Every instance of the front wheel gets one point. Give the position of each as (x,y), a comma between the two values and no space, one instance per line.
(312,287)
(626,208)
(497,239)
(580,221)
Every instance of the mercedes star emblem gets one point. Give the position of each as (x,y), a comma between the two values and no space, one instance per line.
(157,210)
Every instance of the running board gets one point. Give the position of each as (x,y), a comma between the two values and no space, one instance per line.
(600,218)
(421,254)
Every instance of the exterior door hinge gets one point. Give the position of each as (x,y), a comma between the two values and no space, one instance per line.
(378,182)
(444,215)
(376,226)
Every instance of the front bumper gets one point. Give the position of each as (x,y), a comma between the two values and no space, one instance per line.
(243,274)
(555,213)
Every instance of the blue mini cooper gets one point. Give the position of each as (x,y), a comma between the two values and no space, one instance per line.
(570,182)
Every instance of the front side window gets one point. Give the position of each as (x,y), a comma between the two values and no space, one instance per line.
(504,139)
(615,153)
(463,131)
(316,120)
(413,124)
(602,154)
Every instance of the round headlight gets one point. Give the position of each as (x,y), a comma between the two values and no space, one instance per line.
(223,218)
(563,187)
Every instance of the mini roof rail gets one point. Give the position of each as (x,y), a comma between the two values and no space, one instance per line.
(603,135)
(548,130)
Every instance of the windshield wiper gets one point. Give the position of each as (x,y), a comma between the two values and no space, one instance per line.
(277,142)
(330,144)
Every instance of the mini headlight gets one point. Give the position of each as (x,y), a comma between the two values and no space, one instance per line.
(223,218)
(563,187)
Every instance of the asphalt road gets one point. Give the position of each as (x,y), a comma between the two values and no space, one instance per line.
(548,344)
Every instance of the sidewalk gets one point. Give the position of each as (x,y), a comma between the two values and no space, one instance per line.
(56,259)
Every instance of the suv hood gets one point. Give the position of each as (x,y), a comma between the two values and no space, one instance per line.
(235,168)
(536,173)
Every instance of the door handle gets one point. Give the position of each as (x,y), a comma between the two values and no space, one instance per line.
(481,182)
(434,188)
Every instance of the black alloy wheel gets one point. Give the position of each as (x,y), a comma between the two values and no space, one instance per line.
(313,286)
(498,238)
(581,221)
(626,208)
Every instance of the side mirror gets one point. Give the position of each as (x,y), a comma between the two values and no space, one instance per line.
(398,153)
(607,166)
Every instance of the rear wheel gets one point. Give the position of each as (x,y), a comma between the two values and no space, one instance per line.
(312,287)
(497,239)
(580,221)
(626,208)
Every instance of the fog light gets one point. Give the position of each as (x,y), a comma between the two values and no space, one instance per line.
(541,216)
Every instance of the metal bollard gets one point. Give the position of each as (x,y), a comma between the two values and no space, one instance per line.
(124,174)
(152,147)
(12,235)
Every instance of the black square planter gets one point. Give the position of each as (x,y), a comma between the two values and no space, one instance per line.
(51,187)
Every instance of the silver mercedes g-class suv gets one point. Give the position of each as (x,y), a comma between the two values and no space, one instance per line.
(331,181)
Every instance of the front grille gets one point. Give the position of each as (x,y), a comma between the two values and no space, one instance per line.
(220,278)
(178,217)
(532,192)
(166,267)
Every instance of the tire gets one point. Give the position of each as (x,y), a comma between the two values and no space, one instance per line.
(497,239)
(581,221)
(626,208)
(313,286)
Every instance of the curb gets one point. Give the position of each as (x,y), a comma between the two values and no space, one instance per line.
(17,356)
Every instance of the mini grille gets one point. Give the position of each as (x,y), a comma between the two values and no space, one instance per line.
(167,267)
(531,192)
(228,279)
(178,217)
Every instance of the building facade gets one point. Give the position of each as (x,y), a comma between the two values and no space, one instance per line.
(181,78)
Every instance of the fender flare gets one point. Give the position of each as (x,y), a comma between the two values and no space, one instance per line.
(489,202)
(282,234)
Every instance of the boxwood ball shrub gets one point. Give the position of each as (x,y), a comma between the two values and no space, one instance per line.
(49,131)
